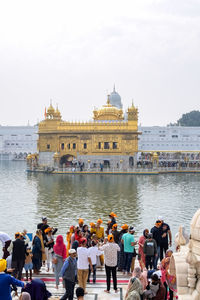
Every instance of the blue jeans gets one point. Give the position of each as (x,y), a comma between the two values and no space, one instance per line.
(94,273)
(127,261)
(156,258)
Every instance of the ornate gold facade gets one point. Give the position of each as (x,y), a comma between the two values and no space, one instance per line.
(108,137)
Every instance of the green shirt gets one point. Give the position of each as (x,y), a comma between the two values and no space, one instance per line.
(128,239)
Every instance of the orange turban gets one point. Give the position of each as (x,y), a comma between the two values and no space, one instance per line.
(92,224)
(125,227)
(99,221)
(48,229)
(114,226)
(110,238)
(113,215)
(17,234)
(81,221)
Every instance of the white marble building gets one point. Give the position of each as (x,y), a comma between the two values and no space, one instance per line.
(163,138)
(17,141)
(21,140)
(172,138)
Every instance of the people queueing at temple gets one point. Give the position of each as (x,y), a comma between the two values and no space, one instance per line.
(88,248)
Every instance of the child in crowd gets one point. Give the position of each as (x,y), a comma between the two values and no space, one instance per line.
(28,263)
(80,293)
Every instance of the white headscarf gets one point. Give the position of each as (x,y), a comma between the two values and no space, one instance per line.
(26,296)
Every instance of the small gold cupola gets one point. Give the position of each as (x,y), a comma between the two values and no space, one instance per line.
(132,113)
(50,111)
(57,114)
(52,114)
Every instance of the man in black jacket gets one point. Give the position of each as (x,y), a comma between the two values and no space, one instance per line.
(165,243)
(18,256)
(157,236)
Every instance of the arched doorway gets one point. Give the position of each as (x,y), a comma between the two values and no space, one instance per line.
(131,161)
(106,163)
(66,160)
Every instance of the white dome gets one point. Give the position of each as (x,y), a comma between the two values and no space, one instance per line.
(195,226)
(115,99)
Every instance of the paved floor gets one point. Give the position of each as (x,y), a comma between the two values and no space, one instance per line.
(95,291)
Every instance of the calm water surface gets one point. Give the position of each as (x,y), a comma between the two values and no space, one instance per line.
(137,200)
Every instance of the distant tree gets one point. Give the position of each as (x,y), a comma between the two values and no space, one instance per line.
(189,119)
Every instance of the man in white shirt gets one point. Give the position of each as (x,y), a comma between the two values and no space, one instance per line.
(6,240)
(93,253)
(83,263)
(110,254)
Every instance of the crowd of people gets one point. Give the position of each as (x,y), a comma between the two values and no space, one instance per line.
(89,247)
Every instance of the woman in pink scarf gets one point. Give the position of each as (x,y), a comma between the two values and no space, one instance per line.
(168,278)
(141,242)
(60,254)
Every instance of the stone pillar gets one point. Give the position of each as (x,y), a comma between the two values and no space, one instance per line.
(56,160)
(88,165)
(121,164)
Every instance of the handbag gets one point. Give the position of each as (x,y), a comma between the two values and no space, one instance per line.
(54,260)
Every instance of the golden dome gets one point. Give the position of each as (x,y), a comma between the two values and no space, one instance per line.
(108,112)
(53,114)
(50,110)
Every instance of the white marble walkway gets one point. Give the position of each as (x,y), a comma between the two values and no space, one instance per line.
(95,291)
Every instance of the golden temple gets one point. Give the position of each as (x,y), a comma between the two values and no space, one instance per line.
(110,139)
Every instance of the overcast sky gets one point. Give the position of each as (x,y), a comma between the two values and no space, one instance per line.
(74,51)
